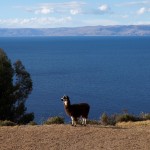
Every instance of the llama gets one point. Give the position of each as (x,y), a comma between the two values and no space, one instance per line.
(76,110)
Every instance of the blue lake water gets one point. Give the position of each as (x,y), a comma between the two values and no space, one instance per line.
(110,73)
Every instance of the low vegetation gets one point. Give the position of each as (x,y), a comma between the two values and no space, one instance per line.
(54,120)
(126,118)
(123,117)
(93,122)
(105,119)
(133,124)
(145,116)
(7,123)
(32,123)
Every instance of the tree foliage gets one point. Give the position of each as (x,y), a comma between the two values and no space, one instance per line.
(15,86)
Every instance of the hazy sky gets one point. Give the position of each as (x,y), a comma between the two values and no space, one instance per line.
(73,13)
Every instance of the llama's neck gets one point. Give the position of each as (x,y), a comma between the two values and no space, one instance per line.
(68,109)
(67,105)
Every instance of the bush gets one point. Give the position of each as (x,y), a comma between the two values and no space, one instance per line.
(93,122)
(126,118)
(113,119)
(32,123)
(54,120)
(26,118)
(145,116)
(104,119)
(7,123)
(108,120)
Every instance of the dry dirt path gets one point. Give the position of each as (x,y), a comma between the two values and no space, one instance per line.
(66,137)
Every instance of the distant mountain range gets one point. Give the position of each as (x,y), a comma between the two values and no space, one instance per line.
(117,30)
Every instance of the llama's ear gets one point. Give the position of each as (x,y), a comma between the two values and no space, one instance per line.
(67,97)
(62,98)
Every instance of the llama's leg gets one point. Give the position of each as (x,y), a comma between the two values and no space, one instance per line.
(75,122)
(72,121)
(84,121)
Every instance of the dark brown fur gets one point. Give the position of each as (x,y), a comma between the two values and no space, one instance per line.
(78,110)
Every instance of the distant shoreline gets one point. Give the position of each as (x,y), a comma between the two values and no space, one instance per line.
(118,30)
(74,36)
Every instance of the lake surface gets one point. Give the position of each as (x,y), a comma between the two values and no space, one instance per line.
(112,74)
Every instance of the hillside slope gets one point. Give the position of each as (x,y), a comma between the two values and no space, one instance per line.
(60,137)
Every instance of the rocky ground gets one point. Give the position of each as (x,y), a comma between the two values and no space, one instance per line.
(66,137)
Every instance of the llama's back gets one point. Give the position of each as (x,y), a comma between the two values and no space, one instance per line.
(81,109)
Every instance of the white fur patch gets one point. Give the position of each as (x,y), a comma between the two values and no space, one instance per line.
(72,120)
(74,123)
(84,121)
(65,102)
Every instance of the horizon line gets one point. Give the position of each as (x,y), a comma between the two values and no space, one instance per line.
(71,27)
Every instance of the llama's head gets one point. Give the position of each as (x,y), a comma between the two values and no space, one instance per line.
(66,100)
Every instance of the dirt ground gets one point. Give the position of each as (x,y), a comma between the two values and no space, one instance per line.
(66,137)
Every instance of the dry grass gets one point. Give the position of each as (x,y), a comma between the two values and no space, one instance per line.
(133,124)
(60,137)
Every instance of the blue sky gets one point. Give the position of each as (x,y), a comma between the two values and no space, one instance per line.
(73,13)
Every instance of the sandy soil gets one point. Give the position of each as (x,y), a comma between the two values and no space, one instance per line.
(66,137)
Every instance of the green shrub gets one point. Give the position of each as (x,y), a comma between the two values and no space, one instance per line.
(26,118)
(104,119)
(145,116)
(7,123)
(32,123)
(93,122)
(112,120)
(108,120)
(126,118)
(54,120)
